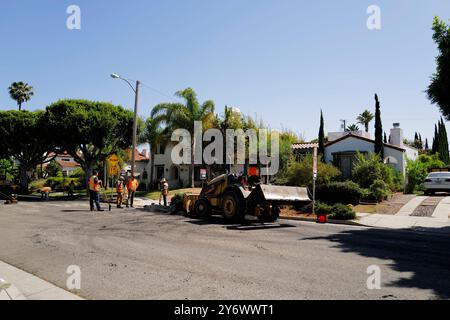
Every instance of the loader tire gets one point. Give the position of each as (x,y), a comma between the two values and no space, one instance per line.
(202,208)
(233,208)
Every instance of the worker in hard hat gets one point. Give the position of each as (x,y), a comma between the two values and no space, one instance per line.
(120,189)
(132,186)
(95,186)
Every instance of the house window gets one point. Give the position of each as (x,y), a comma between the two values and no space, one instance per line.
(161,149)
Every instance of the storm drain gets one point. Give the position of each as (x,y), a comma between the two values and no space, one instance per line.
(427,207)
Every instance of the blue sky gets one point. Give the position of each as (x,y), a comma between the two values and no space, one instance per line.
(280,60)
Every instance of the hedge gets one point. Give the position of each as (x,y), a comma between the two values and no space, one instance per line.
(347,192)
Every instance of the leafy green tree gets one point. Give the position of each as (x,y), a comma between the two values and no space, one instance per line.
(438,90)
(90,131)
(417,170)
(27,138)
(368,170)
(365,118)
(178,115)
(300,172)
(20,92)
(6,168)
(321,149)
(53,169)
(379,147)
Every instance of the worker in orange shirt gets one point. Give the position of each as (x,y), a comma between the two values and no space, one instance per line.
(132,186)
(95,186)
(120,189)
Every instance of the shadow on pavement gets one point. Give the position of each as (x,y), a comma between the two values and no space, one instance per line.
(424,254)
(246,225)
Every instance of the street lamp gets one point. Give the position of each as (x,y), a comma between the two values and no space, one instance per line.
(136,102)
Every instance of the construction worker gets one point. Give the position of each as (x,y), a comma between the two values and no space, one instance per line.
(164,191)
(94,191)
(120,189)
(132,186)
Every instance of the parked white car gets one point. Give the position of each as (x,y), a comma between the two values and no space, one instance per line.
(437,182)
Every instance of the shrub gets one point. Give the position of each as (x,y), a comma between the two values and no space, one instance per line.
(342,212)
(299,173)
(337,211)
(61,184)
(417,171)
(37,184)
(379,190)
(340,192)
(367,170)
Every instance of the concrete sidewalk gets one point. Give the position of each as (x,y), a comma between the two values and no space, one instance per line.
(404,222)
(16,284)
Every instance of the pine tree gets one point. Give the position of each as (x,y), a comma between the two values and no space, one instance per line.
(321,149)
(379,148)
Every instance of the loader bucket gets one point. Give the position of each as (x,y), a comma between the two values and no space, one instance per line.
(279,195)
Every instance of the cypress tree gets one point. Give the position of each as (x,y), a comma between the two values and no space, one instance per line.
(427,147)
(379,148)
(416,137)
(443,143)
(434,148)
(385,138)
(321,149)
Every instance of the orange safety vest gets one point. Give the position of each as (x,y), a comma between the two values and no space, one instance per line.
(119,187)
(132,185)
(92,185)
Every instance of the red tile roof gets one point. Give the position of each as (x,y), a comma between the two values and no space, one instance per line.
(299,146)
(68,164)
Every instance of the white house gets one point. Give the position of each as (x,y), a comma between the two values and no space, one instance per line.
(342,148)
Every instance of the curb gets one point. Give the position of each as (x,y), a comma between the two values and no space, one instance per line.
(332,221)
(9,292)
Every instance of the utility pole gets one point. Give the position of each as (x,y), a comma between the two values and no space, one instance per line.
(136,103)
(135,118)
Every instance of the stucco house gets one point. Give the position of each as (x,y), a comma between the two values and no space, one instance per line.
(342,147)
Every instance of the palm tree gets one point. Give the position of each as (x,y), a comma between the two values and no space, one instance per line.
(182,116)
(154,135)
(20,92)
(365,118)
(352,128)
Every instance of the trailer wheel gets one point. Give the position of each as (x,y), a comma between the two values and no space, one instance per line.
(233,208)
(202,208)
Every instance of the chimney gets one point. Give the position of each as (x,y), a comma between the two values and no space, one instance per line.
(396,137)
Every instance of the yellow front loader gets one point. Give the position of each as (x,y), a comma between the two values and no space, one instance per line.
(223,195)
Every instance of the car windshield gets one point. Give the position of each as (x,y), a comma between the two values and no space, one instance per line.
(439,175)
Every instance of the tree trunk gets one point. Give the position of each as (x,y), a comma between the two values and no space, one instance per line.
(23,180)
(152,169)
(88,173)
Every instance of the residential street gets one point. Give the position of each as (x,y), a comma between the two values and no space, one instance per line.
(140,255)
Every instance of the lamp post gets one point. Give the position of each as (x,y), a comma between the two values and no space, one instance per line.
(136,103)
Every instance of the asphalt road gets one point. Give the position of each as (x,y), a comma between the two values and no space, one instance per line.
(140,255)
